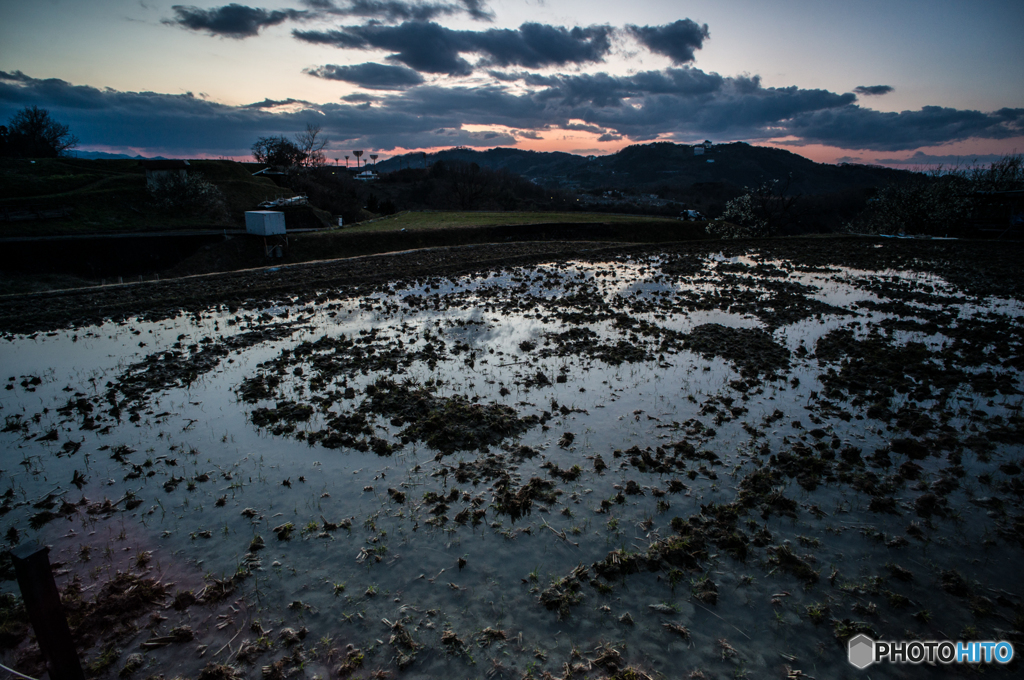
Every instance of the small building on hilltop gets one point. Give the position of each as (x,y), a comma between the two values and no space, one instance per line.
(159,171)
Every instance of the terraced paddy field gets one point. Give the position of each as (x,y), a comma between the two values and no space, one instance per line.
(710,460)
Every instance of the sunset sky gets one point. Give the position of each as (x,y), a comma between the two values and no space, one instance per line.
(899,81)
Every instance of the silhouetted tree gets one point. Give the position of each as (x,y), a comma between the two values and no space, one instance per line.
(277,151)
(1005,174)
(311,144)
(31,133)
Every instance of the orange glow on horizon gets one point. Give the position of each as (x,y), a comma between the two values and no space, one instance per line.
(586,143)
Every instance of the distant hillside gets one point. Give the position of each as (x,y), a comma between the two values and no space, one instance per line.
(663,166)
(536,165)
(96,155)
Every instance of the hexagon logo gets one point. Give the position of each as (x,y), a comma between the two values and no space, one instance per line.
(861,650)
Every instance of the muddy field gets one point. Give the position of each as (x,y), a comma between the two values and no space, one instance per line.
(708,460)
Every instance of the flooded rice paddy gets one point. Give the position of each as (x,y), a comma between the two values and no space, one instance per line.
(666,466)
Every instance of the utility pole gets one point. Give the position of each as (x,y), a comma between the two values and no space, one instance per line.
(45,611)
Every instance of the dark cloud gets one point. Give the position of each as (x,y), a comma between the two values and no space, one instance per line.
(185,125)
(583,127)
(853,127)
(426,47)
(168,124)
(274,103)
(539,45)
(431,48)
(240,21)
(478,10)
(609,137)
(19,77)
(603,90)
(398,10)
(230,21)
(677,40)
(370,75)
(334,38)
(873,90)
(358,98)
(681,104)
(528,134)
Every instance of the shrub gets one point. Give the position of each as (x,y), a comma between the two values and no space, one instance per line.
(760,211)
(189,194)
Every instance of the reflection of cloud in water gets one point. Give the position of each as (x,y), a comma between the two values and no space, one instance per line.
(646,288)
(507,336)
(808,331)
(686,323)
(475,329)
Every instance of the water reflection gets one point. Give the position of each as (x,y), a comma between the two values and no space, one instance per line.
(552,343)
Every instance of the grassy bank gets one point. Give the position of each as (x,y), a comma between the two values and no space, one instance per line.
(419,220)
(110,196)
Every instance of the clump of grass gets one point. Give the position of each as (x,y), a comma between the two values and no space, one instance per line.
(704,589)
(817,612)
(284,531)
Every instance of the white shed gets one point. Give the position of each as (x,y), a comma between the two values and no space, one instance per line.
(264,222)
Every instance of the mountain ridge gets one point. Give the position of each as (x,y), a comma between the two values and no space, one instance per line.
(664,166)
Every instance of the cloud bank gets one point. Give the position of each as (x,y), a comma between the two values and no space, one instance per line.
(678,104)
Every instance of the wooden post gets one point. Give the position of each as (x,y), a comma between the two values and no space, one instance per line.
(42,602)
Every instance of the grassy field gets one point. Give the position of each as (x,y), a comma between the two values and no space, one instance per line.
(420,220)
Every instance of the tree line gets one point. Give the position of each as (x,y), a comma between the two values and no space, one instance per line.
(943,201)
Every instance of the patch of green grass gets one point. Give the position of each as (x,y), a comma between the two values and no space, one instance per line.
(414,221)
(104,660)
(817,612)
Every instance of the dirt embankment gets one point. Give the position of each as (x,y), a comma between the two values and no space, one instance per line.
(985,267)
